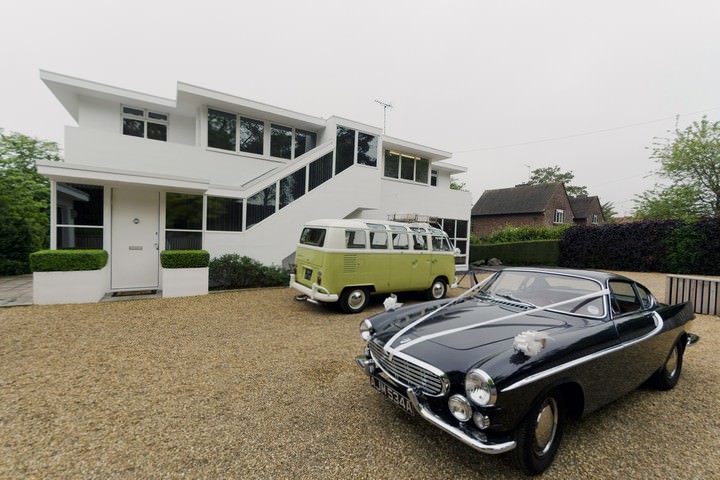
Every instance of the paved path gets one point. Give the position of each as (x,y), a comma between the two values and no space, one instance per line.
(16,291)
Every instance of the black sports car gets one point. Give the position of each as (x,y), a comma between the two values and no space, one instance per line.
(502,366)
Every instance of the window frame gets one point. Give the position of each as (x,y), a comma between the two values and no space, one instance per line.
(559,217)
(146,118)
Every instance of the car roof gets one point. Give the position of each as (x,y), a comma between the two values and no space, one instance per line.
(591,274)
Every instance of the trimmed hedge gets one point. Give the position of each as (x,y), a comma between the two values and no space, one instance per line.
(184,258)
(537,252)
(67,260)
(234,271)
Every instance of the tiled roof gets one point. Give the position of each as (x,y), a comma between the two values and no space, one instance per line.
(515,200)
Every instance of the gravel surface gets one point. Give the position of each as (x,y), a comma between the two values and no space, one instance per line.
(253,384)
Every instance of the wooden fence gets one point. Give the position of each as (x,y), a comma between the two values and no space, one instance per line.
(704,293)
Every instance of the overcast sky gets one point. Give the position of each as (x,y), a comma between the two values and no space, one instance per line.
(507,86)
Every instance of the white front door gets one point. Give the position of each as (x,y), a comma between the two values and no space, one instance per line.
(135,254)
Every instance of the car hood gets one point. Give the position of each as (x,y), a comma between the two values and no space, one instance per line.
(467,332)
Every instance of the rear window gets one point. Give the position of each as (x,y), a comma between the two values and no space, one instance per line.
(313,236)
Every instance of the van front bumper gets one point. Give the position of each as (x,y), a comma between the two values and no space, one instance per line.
(314,294)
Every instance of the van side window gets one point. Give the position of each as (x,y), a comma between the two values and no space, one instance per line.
(439,244)
(313,236)
(378,240)
(419,242)
(400,241)
(354,238)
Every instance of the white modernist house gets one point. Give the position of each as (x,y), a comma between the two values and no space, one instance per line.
(229,175)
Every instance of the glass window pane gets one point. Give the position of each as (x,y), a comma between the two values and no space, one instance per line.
(260,206)
(345,149)
(280,141)
(157,131)
(132,127)
(378,240)
(407,167)
(183,211)
(221,130)
(367,149)
(79,237)
(392,164)
(422,166)
(434,178)
(292,187)
(79,204)
(224,214)
(313,236)
(461,229)
(251,135)
(320,171)
(449,227)
(400,241)
(134,111)
(157,116)
(304,142)
(354,238)
(183,241)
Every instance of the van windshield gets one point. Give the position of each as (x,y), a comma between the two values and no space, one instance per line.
(313,236)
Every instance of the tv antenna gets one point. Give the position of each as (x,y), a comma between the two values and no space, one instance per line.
(385,106)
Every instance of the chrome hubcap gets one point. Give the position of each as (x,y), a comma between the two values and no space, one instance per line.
(356,299)
(546,426)
(438,289)
(671,364)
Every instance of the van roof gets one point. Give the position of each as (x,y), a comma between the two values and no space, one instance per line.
(366,223)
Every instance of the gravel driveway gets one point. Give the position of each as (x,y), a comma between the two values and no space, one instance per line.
(254,384)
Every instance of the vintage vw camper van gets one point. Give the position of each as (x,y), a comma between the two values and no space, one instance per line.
(347,260)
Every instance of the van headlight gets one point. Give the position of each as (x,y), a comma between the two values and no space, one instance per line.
(480,388)
(366,330)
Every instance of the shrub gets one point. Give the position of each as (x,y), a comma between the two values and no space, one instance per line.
(538,252)
(184,258)
(526,233)
(67,260)
(235,271)
(15,246)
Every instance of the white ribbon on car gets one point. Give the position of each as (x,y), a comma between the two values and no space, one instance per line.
(393,350)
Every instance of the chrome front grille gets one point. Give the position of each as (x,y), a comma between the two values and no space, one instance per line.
(406,373)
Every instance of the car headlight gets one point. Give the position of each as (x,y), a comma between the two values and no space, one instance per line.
(480,388)
(366,330)
(460,408)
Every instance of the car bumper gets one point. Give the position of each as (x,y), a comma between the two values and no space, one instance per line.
(314,294)
(465,436)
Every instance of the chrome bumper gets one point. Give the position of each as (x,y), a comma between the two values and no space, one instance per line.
(314,294)
(368,366)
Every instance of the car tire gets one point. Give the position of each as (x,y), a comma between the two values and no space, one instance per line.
(538,436)
(437,290)
(669,374)
(354,299)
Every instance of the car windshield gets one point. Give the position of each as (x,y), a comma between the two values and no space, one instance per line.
(543,289)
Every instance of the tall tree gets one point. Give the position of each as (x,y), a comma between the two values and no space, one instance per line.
(609,212)
(690,161)
(554,175)
(24,199)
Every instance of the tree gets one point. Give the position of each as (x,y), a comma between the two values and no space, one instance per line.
(554,175)
(608,211)
(24,199)
(456,184)
(690,161)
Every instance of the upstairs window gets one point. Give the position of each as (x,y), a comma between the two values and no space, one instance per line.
(595,219)
(559,216)
(354,147)
(280,141)
(138,122)
(407,167)
(304,141)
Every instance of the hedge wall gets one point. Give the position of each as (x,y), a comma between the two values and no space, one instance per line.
(184,258)
(67,260)
(536,252)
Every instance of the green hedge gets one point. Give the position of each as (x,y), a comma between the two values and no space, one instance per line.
(67,260)
(184,258)
(537,252)
(234,271)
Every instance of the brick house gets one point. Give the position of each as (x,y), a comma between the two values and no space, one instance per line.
(542,205)
(587,210)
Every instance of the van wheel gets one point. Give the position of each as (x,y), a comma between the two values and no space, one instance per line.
(437,290)
(354,299)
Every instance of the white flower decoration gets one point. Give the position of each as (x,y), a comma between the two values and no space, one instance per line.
(530,342)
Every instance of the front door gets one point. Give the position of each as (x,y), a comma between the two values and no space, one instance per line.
(135,255)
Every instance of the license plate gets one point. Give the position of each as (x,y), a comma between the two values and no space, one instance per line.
(393,395)
(308,273)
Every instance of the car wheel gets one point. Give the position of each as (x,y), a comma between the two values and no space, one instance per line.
(354,299)
(668,376)
(538,436)
(437,290)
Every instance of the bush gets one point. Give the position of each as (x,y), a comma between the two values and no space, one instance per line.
(539,252)
(233,271)
(15,246)
(68,260)
(184,258)
(526,233)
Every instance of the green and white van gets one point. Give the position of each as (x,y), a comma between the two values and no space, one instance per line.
(346,261)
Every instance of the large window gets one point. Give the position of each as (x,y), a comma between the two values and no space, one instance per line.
(407,167)
(367,149)
(346,153)
(183,221)
(79,216)
(251,135)
(221,130)
(260,206)
(292,187)
(457,230)
(281,141)
(138,122)
(304,142)
(320,171)
(224,214)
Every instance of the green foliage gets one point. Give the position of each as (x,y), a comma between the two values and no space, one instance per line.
(24,199)
(690,161)
(536,252)
(184,258)
(67,260)
(682,247)
(554,175)
(235,271)
(456,184)
(609,212)
(525,233)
